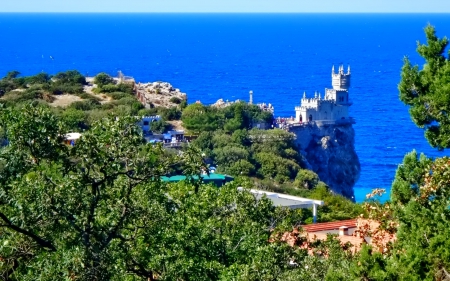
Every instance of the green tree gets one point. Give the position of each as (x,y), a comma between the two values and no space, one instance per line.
(420,192)
(306,179)
(427,90)
(276,167)
(159,126)
(41,78)
(76,120)
(241,167)
(70,77)
(12,74)
(103,79)
(83,204)
(423,215)
(99,211)
(198,118)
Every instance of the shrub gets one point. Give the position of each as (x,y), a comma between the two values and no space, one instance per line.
(118,95)
(59,89)
(148,112)
(21,96)
(71,77)
(127,101)
(74,119)
(175,100)
(96,115)
(102,79)
(87,96)
(306,179)
(85,105)
(110,88)
(159,126)
(172,113)
(108,106)
(125,88)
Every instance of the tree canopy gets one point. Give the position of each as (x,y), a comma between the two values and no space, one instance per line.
(427,90)
(99,211)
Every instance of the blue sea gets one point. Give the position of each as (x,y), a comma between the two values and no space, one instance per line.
(278,56)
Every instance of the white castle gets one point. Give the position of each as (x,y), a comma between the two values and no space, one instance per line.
(333,107)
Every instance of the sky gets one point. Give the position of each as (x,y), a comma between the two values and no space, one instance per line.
(228,6)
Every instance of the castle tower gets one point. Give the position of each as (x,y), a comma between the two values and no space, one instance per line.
(333,106)
(251,97)
(340,80)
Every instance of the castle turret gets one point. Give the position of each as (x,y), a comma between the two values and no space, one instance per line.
(340,80)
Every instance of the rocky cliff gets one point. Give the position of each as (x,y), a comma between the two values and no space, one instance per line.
(330,152)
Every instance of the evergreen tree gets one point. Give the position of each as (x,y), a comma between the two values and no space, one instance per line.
(427,91)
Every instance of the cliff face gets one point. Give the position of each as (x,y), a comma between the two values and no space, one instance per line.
(330,152)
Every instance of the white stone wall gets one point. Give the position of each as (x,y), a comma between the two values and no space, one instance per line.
(326,110)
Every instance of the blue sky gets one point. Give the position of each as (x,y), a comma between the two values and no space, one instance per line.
(234,6)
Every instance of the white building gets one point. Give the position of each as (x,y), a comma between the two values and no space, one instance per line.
(288,201)
(332,107)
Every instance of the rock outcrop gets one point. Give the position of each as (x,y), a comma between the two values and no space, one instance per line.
(329,151)
(161,94)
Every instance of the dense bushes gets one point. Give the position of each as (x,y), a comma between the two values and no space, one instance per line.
(199,118)
(266,154)
(84,105)
(106,84)
(224,136)
(40,85)
(159,126)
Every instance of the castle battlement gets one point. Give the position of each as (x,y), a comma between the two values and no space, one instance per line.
(334,104)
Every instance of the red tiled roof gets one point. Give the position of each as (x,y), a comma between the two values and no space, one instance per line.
(364,227)
(329,225)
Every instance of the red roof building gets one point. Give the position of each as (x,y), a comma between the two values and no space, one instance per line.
(357,232)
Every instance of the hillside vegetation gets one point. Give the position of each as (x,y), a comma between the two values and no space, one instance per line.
(84,103)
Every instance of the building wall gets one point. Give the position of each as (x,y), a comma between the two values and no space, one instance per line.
(341,81)
(326,111)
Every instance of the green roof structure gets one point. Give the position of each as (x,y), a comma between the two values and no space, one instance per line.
(216,179)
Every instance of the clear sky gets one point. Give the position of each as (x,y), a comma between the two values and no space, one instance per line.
(233,6)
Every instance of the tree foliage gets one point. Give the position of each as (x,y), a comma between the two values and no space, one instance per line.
(159,126)
(103,79)
(98,211)
(427,91)
(421,195)
(199,118)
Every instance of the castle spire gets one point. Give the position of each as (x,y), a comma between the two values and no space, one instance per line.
(348,70)
(319,96)
(332,70)
(304,95)
(315,94)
